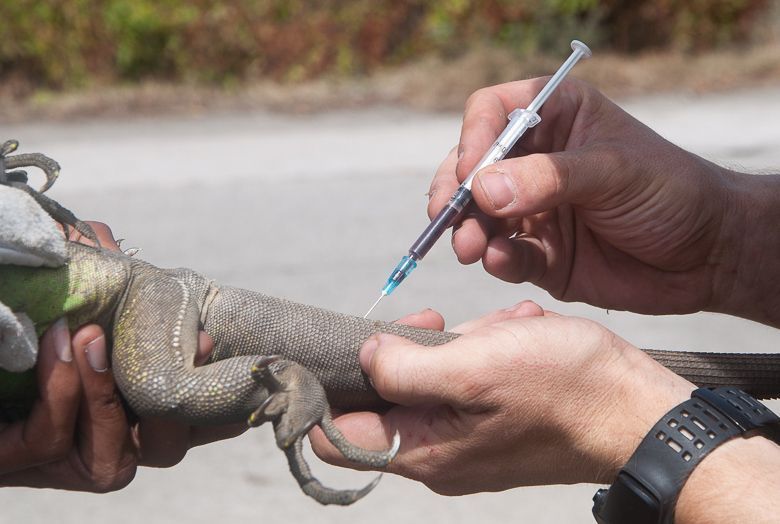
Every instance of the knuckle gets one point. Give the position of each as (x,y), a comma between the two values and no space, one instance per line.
(70,396)
(113,476)
(114,482)
(47,443)
(54,447)
(589,327)
(549,174)
(167,459)
(445,488)
(471,388)
(384,379)
(392,375)
(559,175)
(434,188)
(486,118)
(438,475)
(101,228)
(107,404)
(476,96)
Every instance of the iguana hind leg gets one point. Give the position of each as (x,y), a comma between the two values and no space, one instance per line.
(155,342)
(153,355)
(295,404)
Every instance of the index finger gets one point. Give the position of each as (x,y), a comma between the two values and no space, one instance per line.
(443,185)
(486,115)
(103,233)
(483,120)
(47,434)
(106,451)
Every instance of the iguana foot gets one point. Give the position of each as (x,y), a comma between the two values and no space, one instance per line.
(51,169)
(297,402)
(49,166)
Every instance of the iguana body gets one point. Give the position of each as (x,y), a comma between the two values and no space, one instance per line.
(153,316)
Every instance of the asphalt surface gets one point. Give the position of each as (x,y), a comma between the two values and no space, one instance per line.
(318,209)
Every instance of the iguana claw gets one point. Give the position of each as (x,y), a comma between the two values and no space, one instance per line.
(295,404)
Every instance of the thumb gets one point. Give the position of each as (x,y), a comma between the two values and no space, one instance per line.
(528,185)
(406,373)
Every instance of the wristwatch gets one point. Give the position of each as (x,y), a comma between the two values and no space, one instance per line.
(646,489)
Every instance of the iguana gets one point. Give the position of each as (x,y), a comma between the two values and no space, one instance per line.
(273,360)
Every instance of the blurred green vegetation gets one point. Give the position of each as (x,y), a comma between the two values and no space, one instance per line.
(65,43)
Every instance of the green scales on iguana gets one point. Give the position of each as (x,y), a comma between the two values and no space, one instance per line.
(273,360)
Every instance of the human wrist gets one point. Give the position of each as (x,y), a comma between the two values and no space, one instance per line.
(694,465)
(734,483)
(747,260)
(641,391)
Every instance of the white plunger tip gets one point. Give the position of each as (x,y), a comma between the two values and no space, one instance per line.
(586,52)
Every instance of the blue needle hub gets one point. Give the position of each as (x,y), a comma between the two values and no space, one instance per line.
(401,271)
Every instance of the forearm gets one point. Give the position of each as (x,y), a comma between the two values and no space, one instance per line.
(737,482)
(747,272)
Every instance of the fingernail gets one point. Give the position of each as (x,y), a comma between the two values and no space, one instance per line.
(461,152)
(367,352)
(96,354)
(62,340)
(498,187)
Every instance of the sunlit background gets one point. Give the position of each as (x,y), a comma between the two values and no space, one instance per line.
(148,55)
(287,147)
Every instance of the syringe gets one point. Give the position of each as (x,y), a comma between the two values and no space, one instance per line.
(519,121)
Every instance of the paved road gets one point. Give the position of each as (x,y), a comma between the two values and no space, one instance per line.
(317,210)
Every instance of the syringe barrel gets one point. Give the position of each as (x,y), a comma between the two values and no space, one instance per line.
(446,218)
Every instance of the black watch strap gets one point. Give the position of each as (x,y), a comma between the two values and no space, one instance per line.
(646,489)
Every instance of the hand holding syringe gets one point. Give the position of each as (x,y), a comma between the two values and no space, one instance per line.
(519,121)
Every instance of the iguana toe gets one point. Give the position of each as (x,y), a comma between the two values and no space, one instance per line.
(270,410)
(266,376)
(51,168)
(314,488)
(8,147)
(353,453)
